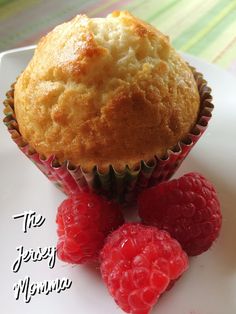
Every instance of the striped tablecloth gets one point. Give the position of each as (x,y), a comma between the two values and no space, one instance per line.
(204,28)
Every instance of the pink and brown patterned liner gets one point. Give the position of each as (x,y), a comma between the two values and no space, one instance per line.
(122,186)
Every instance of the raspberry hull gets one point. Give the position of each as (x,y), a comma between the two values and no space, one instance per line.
(84,221)
(138,263)
(188,208)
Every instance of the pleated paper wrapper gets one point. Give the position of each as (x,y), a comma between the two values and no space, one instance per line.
(123,186)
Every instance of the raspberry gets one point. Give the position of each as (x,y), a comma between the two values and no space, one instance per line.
(137,264)
(188,208)
(84,221)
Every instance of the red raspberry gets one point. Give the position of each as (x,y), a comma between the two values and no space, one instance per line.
(188,208)
(84,221)
(137,264)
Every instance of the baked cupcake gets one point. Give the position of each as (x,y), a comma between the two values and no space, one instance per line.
(107,104)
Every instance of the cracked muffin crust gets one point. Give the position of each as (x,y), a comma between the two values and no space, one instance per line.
(103,91)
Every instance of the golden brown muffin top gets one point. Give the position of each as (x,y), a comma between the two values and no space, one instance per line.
(102,91)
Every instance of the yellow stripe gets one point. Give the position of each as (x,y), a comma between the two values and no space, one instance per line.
(211,25)
(217,45)
(185,17)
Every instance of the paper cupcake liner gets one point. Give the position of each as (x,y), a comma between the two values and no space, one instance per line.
(122,186)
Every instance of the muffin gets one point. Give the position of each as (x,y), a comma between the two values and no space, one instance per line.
(107,104)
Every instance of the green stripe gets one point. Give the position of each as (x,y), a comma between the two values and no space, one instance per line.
(46,21)
(214,33)
(11,9)
(137,4)
(162,10)
(32,28)
(180,18)
(3,2)
(217,19)
(146,8)
(220,44)
(187,35)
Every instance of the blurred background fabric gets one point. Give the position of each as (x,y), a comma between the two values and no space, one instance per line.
(204,28)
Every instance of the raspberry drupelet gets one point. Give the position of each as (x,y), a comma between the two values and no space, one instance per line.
(84,221)
(138,263)
(188,208)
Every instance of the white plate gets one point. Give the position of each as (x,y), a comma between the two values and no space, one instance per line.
(209,287)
